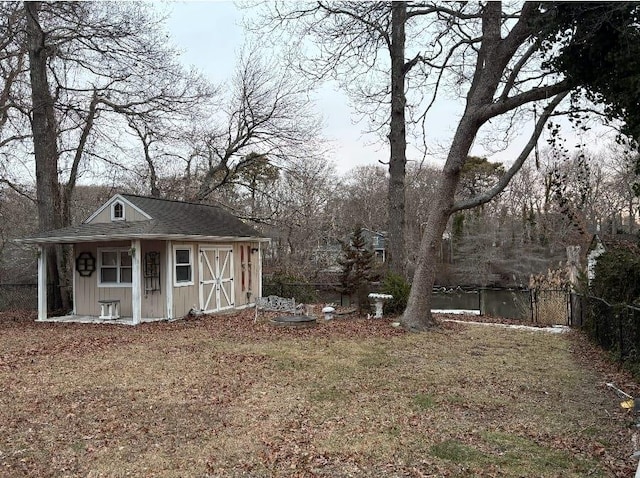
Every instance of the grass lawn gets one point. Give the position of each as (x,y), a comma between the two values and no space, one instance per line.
(222,396)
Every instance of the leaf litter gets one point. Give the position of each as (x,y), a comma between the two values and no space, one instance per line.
(226,396)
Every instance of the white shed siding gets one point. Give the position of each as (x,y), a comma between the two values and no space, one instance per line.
(186,298)
(154,303)
(87,291)
(130,215)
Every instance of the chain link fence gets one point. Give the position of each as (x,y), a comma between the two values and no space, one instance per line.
(539,306)
(18,296)
(550,306)
(615,327)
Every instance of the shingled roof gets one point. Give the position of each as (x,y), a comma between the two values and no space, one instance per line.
(169,220)
(629,242)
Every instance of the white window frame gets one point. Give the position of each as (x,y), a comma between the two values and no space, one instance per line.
(119,251)
(113,211)
(177,283)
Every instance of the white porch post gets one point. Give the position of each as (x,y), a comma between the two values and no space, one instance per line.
(168,275)
(42,282)
(259,268)
(73,281)
(136,289)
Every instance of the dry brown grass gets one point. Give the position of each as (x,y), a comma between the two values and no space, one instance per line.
(222,396)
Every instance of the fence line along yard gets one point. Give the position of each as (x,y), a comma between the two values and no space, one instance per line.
(615,327)
(535,305)
(18,296)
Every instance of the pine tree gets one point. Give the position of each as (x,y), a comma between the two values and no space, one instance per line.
(357,264)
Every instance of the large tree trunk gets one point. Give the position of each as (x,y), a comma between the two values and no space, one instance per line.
(493,57)
(44,129)
(417,316)
(398,142)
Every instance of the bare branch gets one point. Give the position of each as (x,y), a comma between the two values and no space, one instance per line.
(535,94)
(18,189)
(533,48)
(487,196)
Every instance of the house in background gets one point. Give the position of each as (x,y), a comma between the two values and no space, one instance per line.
(378,243)
(328,251)
(602,243)
(139,259)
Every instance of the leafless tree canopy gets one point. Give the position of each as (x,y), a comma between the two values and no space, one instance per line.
(490,54)
(93,91)
(269,112)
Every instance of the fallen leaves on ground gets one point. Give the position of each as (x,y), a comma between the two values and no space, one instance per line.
(226,396)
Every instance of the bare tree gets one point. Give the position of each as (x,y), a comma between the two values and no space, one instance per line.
(45,129)
(505,77)
(363,45)
(302,213)
(623,174)
(422,181)
(92,68)
(18,217)
(504,59)
(268,113)
(13,64)
(363,190)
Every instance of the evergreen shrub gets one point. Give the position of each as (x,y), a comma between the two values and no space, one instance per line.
(399,288)
(614,320)
(617,277)
(356,262)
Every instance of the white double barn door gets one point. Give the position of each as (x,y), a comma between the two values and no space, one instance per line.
(216,278)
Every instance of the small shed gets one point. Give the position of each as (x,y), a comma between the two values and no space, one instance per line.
(142,259)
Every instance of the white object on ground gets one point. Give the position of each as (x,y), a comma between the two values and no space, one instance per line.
(328,312)
(554,329)
(379,302)
(456,311)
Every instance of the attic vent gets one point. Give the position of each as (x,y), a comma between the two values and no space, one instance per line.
(117,211)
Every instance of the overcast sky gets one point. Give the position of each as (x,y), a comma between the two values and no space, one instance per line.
(211,36)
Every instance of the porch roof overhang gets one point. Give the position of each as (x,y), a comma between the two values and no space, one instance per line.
(129,237)
(141,230)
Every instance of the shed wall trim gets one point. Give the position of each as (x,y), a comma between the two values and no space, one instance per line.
(136,280)
(169,279)
(116,198)
(42,283)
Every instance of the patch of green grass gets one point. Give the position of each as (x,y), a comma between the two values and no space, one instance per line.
(457,452)
(423,401)
(78,446)
(519,453)
(455,399)
(592,432)
(291,364)
(515,454)
(375,358)
(327,394)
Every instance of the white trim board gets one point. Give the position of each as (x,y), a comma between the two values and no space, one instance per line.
(151,237)
(107,204)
